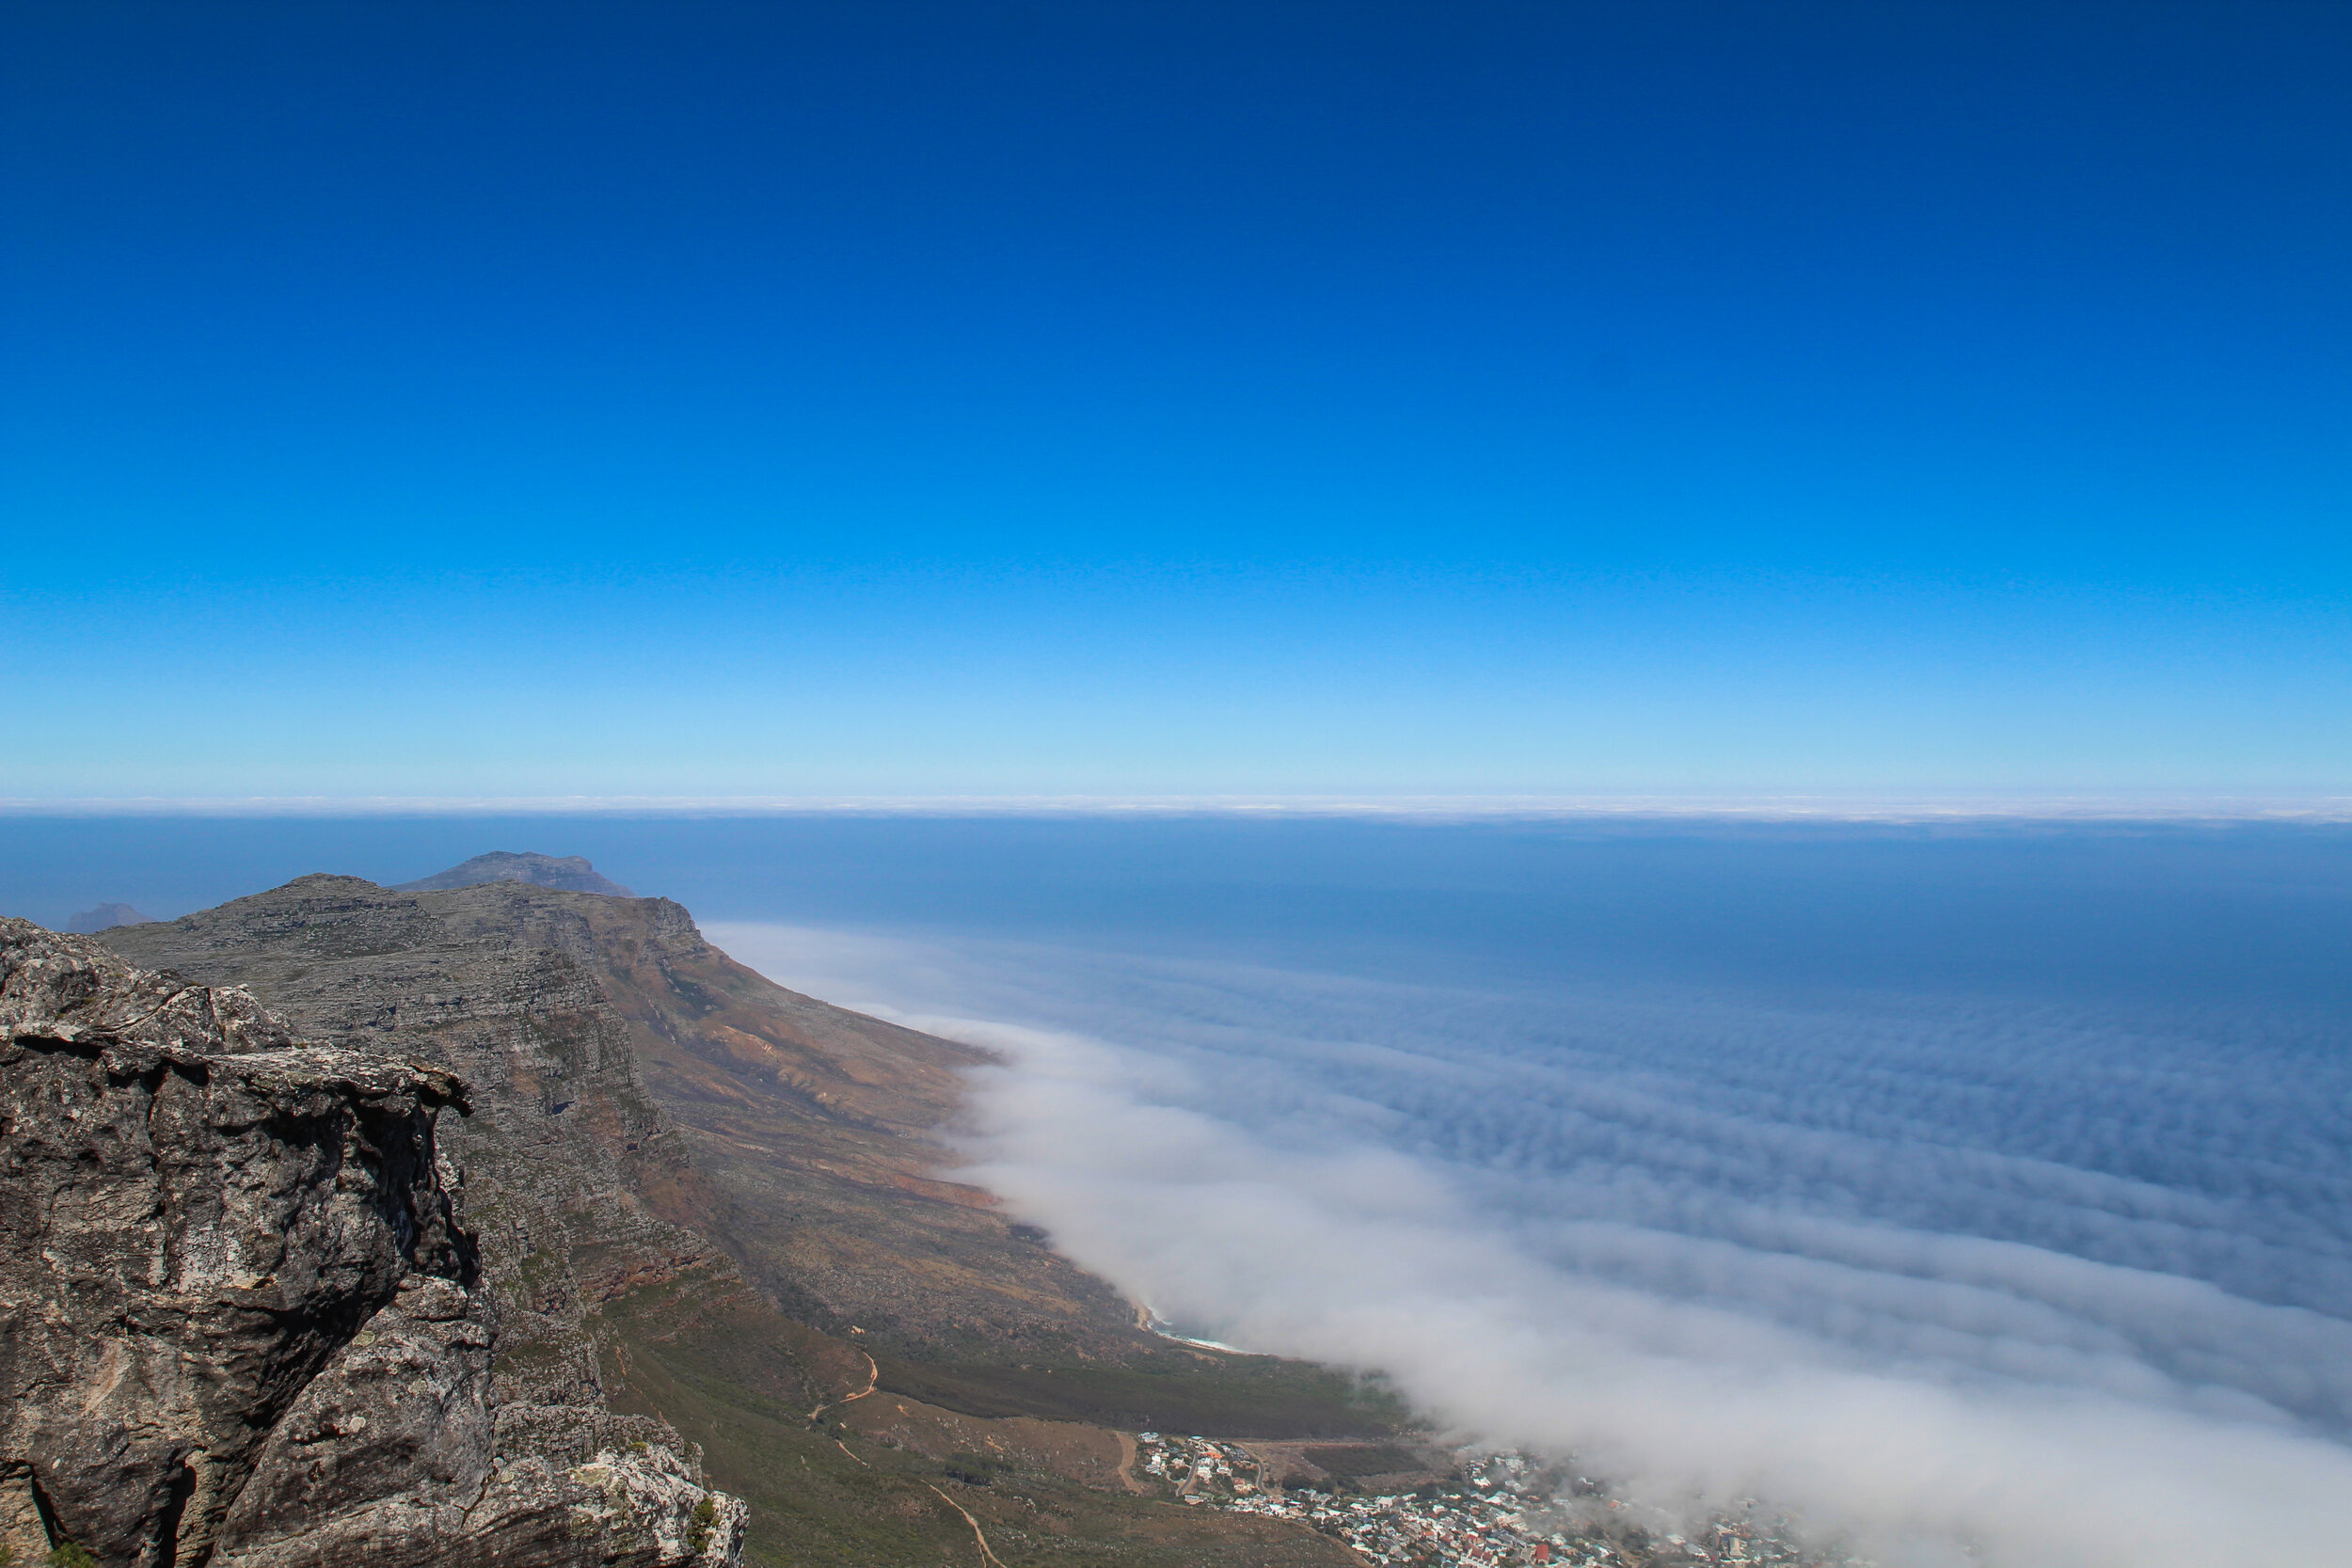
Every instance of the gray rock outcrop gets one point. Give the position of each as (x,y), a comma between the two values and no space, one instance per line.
(553,1167)
(243,1320)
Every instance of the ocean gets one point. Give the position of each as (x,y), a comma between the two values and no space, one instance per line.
(1982,1189)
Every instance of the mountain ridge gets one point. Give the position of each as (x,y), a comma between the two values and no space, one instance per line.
(716,1205)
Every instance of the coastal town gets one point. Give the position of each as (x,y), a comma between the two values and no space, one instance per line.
(1477,1509)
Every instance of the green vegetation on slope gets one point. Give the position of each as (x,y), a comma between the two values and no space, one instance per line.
(734,1377)
(1216,1396)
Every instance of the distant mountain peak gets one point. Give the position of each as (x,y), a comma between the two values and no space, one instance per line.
(570,872)
(105,917)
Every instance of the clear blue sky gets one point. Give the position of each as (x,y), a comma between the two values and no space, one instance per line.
(932,398)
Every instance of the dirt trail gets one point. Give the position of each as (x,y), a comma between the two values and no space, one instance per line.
(873,1377)
(1127,1463)
(987,1558)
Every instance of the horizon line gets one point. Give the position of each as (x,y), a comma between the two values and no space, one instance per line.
(1858,806)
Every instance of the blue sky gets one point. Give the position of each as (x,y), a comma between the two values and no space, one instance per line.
(943,398)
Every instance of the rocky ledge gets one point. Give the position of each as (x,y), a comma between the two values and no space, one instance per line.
(239,1321)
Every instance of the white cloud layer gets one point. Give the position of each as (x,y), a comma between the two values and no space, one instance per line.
(2066,1286)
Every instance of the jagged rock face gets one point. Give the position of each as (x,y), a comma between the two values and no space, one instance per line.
(200,1215)
(241,1322)
(549,1166)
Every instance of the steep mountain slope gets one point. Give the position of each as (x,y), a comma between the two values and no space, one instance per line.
(242,1322)
(812,1127)
(710,1199)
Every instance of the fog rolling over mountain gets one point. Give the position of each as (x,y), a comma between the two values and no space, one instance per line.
(2017,1228)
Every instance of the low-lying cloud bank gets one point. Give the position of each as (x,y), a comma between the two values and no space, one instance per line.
(2065,1287)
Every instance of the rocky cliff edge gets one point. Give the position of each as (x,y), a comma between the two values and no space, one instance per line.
(240,1323)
